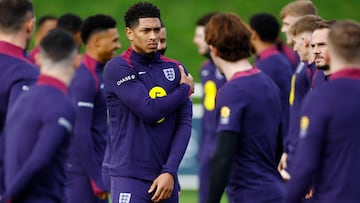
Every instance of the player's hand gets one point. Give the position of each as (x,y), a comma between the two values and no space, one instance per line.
(282,166)
(309,194)
(162,187)
(187,79)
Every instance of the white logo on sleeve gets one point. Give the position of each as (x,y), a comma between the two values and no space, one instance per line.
(125,79)
(25,88)
(85,104)
(169,74)
(65,123)
(124,197)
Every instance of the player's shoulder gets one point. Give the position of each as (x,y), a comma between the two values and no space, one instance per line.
(169,60)
(26,69)
(117,65)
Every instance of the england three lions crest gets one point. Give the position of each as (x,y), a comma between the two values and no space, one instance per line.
(169,74)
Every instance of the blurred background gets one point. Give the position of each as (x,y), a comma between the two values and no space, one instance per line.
(179,17)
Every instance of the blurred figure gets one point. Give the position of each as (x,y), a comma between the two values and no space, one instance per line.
(72,23)
(87,148)
(292,12)
(211,80)
(265,32)
(249,116)
(301,82)
(328,151)
(149,112)
(16,28)
(44,25)
(39,126)
(162,41)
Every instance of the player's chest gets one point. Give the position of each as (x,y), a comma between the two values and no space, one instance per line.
(164,76)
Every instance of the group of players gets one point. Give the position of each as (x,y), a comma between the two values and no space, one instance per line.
(86,128)
(294,148)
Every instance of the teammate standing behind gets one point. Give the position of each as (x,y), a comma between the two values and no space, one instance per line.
(162,41)
(16,28)
(44,25)
(292,12)
(265,31)
(72,23)
(211,80)
(39,126)
(249,115)
(328,151)
(319,46)
(301,82)
(150,114)
(101,40)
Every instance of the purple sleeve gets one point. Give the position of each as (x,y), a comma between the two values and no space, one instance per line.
(309,151)
(121,79)
(26,79)
(230,110)
(180,140)
(42,154)
(83,94)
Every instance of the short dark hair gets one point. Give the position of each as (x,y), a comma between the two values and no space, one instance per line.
(45,18)
(140,10)
(230,35)
(266,26)
(94,24)
(203,20)
(58,45)
(70,22)
(13,13)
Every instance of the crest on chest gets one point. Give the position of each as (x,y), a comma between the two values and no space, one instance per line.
(169,74)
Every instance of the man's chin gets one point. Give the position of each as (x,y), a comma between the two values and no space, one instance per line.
(323,67)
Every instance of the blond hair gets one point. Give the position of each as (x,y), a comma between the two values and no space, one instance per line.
(307,23)
(298,8)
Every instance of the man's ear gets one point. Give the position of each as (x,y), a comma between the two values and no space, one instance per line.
(77,60)
(129,33)
(38,60)
(30,25)
(306,41)
(214,50)
(254,35)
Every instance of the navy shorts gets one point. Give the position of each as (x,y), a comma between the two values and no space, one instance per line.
(130,190)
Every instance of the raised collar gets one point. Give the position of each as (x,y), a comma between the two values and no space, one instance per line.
(13,50)
(350,73)
(52,81)
(249,72)
(268,52)
(143,59)
(92,64)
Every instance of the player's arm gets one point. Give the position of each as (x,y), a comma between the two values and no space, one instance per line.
(162,186)
(50,137)
(121,80)
(29,77)
(309,151)
(82,94)
(220,167)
